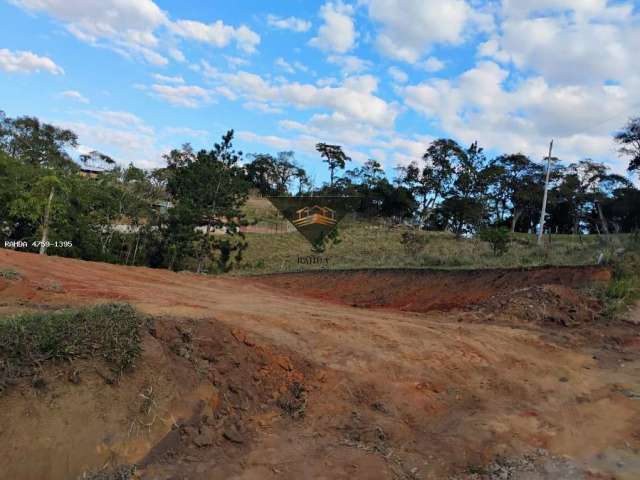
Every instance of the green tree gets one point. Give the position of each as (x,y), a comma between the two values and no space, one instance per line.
(629,140)
(208,189)
(430,183)
(39,145)
(334,157)
(518,186)
(465,203)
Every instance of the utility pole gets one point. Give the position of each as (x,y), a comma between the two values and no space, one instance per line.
(543,214)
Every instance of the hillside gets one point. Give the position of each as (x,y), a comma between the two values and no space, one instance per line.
(376,243)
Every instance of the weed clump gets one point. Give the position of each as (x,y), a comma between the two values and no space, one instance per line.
(414,242)
(9,274)
(29,341)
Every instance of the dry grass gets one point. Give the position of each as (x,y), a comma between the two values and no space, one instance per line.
(375,245)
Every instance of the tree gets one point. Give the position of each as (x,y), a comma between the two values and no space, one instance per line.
(334,157)
(629,139)
(465,202)
(274,175)
(261,175)
(40,145)
(208,189)
(598,185)
(36,143)
(518,186)
(430,183)
(285,169)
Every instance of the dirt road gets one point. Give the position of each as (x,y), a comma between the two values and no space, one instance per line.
(318,386)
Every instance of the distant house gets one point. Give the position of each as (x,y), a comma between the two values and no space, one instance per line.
(90,172)
(162,206)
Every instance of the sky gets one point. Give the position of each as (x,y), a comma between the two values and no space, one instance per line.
(382,78)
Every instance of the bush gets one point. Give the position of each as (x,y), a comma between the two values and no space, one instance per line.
(624,288)
(498,238)
(9,274)
(414,242)
(109,331)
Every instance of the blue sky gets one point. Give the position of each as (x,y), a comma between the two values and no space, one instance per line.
(383,78)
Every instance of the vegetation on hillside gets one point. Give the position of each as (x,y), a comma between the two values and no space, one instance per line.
(189,214)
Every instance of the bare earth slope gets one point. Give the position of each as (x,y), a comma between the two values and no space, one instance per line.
(278,377)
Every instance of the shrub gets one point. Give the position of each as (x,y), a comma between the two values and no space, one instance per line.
(109,331)
(9,274)
(498,238)
(414,242)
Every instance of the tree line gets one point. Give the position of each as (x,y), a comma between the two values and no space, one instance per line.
(188,214)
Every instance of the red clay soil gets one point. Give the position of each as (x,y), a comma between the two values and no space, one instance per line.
(242,379)
(419,290)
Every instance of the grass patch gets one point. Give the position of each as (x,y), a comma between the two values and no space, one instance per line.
(122,472)
(624,288)
(9,274)
(371,244)
(110,332)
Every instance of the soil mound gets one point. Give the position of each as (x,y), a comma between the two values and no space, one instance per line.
(425,290)
(197,394)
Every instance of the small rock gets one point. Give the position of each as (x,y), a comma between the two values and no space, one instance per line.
(563,379)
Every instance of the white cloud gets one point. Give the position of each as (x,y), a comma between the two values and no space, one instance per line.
(290,23)
(355,97)
(411,27)
(338,32)
(168,79)
(334,128)
(74,95)
(360,142)
(584,8)
(349,63)
(27,62)
(261,107)
(186,132)
(524,117)
(191,96)
(301,66)
(283,64)
(327,81)
(569,48)
(177,55)
(290,68)
(127,25)
(433,64)
(121,135)
(217,34)
(279,143)
(398,75)
(120,119)
(236,62)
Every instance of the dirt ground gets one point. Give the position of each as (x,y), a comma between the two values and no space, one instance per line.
(332,375)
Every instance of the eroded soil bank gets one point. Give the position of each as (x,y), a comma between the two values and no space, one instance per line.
(421,290)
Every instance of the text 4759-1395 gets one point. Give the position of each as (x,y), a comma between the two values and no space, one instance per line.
(18,244)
